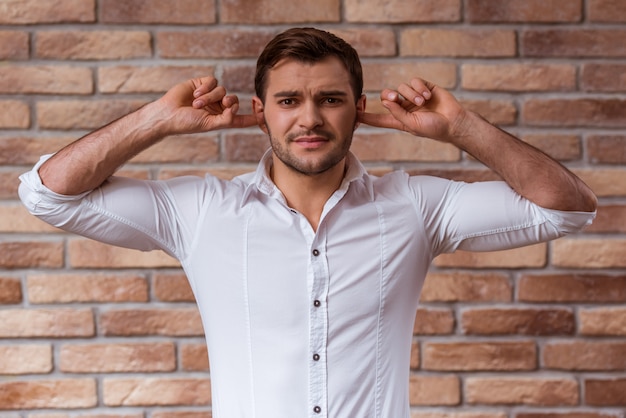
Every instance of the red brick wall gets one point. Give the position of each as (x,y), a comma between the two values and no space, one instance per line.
(94,331)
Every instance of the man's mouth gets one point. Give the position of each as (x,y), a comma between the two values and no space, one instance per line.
(310,142)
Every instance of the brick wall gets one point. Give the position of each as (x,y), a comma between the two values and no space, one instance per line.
(94,331)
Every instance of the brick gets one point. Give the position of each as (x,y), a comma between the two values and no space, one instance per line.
(396,11)
(480,356)
(519,77)
(498,112)
(26,150)
(481,11)
(159,79)
(572,288)
(47,11)
(52,394)
(401,146)
(24,254)
(530,256)
(605,392)
(606,11)
(87,287)
(458,43)
(195,149)
(156,392)
(569,414)
(92,45)
(278,11)
(430,321)
(574,43)
(482,414)
(172,287)
(521,391)
(244,147)
(46,323)
(84,253)
(609,218)
(14,114)
(9,183)
(607,149)
(415,355)
(181,414)
(603,322)
(381,75)
(466,287)
(605,182)
(15,218)
(559,147)
(194,357)
(585,355)
(583,112)
(46,79)
(238,78)
(118,358)
(589,253)
(60,415)
(434,390)
(531,321)
(14,45)
(10,291)
(603,77)
(224,43)
(190,12)
(82,114)
(138,322)
(369,42)
(25,359)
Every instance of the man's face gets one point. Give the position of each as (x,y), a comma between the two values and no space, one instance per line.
(309,114)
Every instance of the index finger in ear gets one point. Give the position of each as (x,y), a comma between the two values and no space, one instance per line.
(379,120)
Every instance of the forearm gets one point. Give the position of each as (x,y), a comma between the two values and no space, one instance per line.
(527,170)
(88,162)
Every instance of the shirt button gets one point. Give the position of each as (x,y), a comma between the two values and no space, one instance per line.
(317,409)
(316,357)
(316,252)
(317,303)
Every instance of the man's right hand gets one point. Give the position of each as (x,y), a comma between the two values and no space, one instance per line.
(197,105)
(200,105)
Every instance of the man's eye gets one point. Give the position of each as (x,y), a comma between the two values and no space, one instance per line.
(332,100)
(287,102)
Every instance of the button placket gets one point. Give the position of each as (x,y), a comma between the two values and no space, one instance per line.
(318,327)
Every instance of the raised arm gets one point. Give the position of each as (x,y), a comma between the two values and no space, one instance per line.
(197,105)
(424,109)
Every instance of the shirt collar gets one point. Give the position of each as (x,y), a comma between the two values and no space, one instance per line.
(355,171)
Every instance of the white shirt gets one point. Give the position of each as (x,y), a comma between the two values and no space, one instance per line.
(301,323)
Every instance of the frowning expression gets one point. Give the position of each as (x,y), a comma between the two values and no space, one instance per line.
(310,113)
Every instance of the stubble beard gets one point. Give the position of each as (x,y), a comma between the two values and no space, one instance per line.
(315,165)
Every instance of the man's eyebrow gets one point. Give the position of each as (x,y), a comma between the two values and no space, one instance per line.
(287,93)
(293,93)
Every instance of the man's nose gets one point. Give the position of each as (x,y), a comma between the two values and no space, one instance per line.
(310,116)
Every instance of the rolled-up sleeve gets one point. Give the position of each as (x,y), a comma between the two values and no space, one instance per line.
(488,216)
(123,212)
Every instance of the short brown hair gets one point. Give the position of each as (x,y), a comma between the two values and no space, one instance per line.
(308,45)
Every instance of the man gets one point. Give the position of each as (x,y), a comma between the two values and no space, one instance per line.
(307,272)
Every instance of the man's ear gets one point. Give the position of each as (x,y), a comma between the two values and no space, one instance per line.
(258,109)
(360,109)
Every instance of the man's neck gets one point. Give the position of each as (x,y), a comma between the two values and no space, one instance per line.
(307,193)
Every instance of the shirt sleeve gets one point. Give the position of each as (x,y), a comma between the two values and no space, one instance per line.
(125,212)
(487,216)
